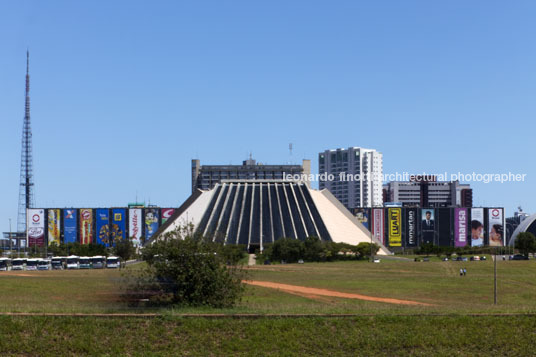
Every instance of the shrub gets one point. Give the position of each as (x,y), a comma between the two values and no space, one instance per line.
(187,271)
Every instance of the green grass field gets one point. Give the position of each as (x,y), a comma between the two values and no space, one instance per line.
(451,324)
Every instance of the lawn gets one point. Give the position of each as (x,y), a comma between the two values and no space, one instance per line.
(435,283)
(462,318)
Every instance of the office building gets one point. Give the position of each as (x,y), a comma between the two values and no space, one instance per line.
(353,175)
(205,177)
(426,191)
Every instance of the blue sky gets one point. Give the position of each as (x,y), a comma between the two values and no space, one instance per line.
(125,93)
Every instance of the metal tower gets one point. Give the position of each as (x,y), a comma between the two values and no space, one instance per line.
(26,194)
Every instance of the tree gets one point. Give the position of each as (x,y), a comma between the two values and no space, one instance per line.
(314,249)
(363,249)
(124,249)
(288,249)
(526,243)
(186,270)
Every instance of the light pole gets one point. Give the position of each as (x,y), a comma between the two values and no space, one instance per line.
(495,278)
(10,240)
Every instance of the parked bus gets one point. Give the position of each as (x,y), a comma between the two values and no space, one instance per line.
(5,264)
(98,262)
(112,263)
(18,264)
(57,263)
(43,264)
(73,262)
(85,263)
(31,264)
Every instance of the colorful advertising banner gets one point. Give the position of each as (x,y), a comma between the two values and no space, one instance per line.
(86,225)
(119,222)
(102,222)
(166,213)
(151,222)
(395,227)
(362,215)
(411,227)
(378,224)
(69,225)
(36,227)
(54,220)
(495,227)
(477,227)
(460,227)
(135,225)
(428,225)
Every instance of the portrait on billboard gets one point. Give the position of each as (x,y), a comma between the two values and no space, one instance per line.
(428,225)
(495,227)
(477,227)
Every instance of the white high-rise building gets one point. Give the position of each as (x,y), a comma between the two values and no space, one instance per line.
(353,176)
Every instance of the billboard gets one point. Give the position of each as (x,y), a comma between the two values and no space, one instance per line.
(102,223)
(444,227)
(135,225)
(54,231)
(362,215)
(119,220)
(378,224)
(495,227)
(36,227)
(460,227)
(395,227)
(166,214)
(427,225)
(477,227)
(411,227)
(69,225)
(151,222)
(86,225)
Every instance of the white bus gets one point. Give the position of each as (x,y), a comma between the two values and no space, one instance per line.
(43,264)
(98,262)
(85,263)
(113,262)
(57,263)
(31,264)
(5,264)
(73,262)
(18,264)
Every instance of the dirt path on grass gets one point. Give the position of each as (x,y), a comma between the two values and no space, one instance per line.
(332,293)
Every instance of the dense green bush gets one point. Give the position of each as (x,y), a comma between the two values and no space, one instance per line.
(526,243)
(313,249)
(83,250)
(188,270)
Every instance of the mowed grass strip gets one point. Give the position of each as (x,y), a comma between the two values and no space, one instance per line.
(437,283)
(366,336)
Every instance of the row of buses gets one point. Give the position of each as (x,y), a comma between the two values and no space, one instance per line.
(60,263)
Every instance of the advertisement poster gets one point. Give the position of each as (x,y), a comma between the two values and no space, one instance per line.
(151,222)
(428,225)
(166,214)
(460,227)
(118,224)
(395,227)
(86,226)
(411,227)
(135,225)
(495,227)
(102,222)
(69,225)
(477,227)
(363,215)
(36,227)
(54,220)
(378,224)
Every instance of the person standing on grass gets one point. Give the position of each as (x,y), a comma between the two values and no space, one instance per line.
(464,271)
(461,272)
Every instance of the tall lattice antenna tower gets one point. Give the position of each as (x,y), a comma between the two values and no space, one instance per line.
(26,194)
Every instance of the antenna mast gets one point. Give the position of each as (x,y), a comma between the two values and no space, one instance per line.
(26,194)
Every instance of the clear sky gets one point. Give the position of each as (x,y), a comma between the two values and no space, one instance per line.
(125,93)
